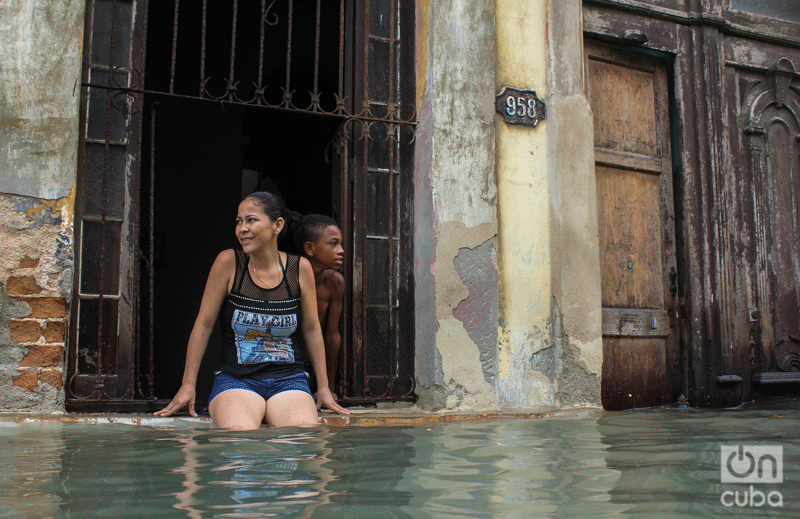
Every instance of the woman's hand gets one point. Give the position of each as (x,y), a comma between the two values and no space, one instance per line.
(184,398)
(218,285)
(325,399)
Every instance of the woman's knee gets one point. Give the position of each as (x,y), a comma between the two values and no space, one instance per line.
(292,409)
(237,410)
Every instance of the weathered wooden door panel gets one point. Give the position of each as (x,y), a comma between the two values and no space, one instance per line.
(629,98)
(764,135)
(630,220)
(645,384)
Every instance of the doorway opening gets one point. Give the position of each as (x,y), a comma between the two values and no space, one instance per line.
(188,107)
(207,158)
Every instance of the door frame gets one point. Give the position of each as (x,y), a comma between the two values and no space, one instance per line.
(357,104)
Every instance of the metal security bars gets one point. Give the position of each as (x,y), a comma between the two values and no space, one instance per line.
(346,61)
(104,306)
(293,47)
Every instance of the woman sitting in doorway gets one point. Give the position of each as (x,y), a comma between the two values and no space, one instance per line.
(266,301)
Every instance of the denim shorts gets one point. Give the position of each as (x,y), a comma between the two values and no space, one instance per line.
(265,388)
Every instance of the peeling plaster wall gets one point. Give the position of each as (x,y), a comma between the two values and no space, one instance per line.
(478,311)
(466,312)
(506,218)
(40,63)
(576,305)
(550,344)
(427,362)
(455,203)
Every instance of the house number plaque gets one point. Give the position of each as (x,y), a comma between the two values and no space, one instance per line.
(520,106)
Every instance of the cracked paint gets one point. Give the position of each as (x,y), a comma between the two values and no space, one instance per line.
(478,311)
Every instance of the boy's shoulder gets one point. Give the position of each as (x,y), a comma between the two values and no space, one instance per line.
(333,279)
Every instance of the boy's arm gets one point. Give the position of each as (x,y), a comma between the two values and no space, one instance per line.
(333,338)
(314,342)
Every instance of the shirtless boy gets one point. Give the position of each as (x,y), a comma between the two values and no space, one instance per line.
(319,239)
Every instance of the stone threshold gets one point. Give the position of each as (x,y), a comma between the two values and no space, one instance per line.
(365,417)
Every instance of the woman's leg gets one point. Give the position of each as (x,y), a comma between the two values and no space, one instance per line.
(238,409)
(291,408)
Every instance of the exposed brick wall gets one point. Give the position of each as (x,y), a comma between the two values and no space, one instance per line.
(52,377)
(26,379)
(41,333)
(54,330)
(35,282)
(25,330)
(46,307)
(40,57)
(23,285)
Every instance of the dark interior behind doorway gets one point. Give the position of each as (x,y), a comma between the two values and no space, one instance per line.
(201,150)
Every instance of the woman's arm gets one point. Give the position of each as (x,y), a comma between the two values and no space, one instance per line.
(217,287)
(312,333)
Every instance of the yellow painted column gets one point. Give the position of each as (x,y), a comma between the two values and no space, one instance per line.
(523,207)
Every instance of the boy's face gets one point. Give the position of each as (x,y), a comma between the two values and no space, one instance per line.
(328,248)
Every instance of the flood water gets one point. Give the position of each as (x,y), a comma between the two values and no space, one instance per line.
(647,463)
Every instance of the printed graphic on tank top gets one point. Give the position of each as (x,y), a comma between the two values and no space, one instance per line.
(263,337)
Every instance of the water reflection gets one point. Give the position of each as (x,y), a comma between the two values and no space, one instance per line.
(186,498)
(669,459)
(514,468)
(367,473)
(589,464)
(27,465)
(312,473)
(662,469)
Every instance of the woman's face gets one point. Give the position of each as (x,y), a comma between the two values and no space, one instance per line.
(254,229)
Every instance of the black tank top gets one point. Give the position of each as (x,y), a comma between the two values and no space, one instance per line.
(261,328)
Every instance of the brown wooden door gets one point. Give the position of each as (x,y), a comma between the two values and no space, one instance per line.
(763,116)
(629,98)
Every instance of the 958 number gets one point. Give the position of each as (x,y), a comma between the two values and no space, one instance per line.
(520,107)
